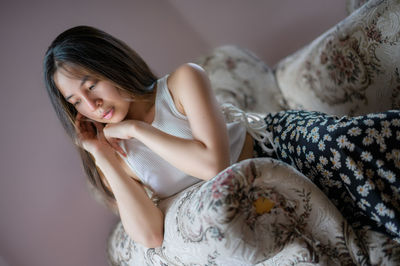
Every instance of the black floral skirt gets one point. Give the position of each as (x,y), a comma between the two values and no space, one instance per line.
(355,161)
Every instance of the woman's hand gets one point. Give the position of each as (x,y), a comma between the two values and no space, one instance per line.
(91,136)
(117,131)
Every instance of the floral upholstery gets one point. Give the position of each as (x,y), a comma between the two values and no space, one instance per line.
(256,212)
(262,211)
(352,69)
(239,77)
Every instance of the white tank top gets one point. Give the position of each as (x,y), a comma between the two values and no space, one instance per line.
(156,173)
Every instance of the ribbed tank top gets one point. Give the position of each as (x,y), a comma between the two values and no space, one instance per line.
(156,173)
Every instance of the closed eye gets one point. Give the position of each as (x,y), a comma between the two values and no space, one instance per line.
(93,86)
(90,89)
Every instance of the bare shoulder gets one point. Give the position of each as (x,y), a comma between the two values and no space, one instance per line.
(187,73)
(188,69)
(187,80)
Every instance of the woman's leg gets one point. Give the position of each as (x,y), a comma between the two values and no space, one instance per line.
(354,161)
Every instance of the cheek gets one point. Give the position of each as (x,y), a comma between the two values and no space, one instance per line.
(87,114)
(123,96)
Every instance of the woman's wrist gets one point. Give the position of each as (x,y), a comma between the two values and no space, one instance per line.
(102,153)
(132,128)
(137,128)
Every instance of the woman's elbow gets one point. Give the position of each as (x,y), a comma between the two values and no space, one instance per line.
(149,241)
(215,169)
(154,241)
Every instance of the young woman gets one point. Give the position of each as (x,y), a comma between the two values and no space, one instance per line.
(138,133)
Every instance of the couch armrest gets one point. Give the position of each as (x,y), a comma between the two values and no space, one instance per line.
(352,5)
(252,212)
(352,69)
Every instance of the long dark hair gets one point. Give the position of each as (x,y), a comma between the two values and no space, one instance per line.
(84,49)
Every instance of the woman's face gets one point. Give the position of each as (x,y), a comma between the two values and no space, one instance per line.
(96,99)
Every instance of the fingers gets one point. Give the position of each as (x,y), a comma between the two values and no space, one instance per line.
(99,128)
(77,125)
(114,142)
(84,124)
(84,129)
(77,121)
(118,148)
(87,128)
(80,123)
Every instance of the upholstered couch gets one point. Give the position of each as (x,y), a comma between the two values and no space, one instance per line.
(263,211)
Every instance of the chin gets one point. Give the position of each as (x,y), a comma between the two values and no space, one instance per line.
(114,120)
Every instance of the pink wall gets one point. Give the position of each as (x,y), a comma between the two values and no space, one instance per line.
(47,216)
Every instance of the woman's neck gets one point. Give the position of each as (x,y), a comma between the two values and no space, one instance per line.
(143,109)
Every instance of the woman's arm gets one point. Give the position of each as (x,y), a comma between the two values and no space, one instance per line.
(208,153)
(142,220)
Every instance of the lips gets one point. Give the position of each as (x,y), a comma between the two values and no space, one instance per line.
(109,113)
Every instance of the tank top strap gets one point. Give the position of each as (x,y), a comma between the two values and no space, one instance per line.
(165,95)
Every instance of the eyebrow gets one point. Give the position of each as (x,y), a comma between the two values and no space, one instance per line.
(84,79)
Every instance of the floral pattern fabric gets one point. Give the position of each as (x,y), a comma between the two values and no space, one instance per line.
(257,212)
(352,69)
(239,77)
(355,161)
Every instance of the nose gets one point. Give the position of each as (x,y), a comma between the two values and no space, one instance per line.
(93,104)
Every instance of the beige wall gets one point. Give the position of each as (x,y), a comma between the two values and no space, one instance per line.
(46,214)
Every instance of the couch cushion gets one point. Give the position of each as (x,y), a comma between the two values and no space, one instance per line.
(241,78)
(352,69)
